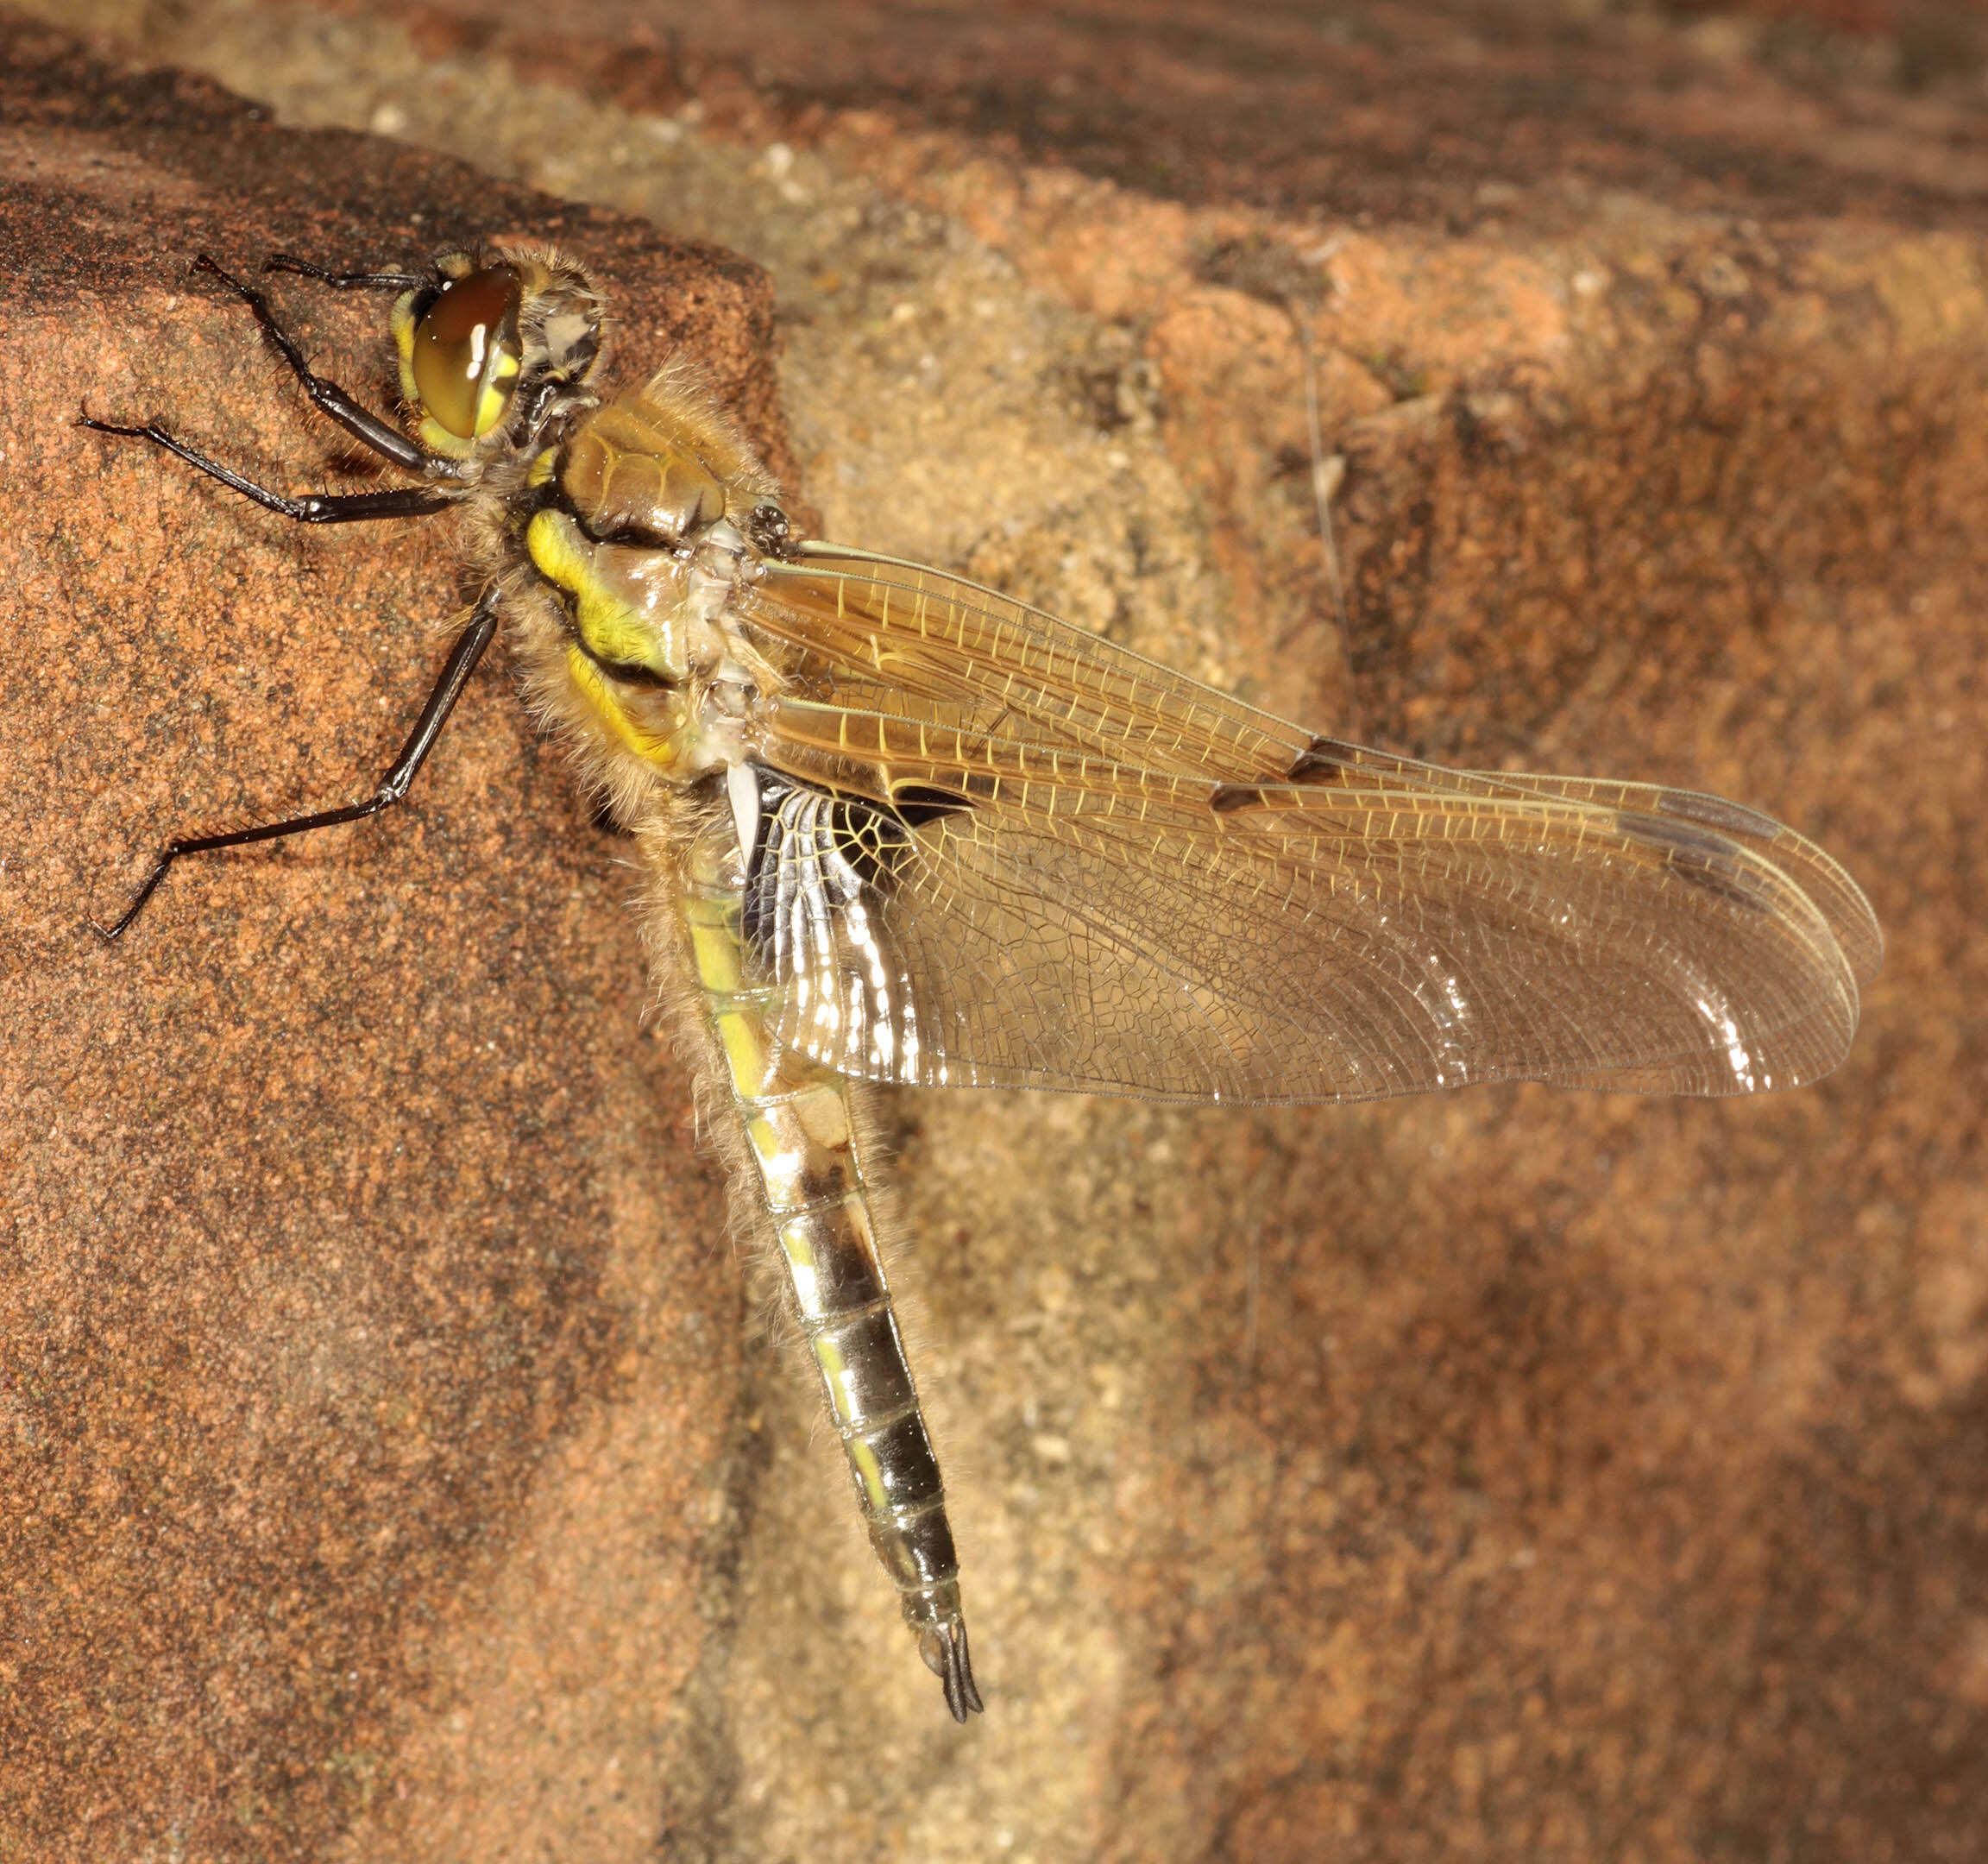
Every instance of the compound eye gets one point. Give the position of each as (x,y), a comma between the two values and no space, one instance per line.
(465,356)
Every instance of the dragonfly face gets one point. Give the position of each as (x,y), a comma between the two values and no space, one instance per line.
(493,352)
(904,829)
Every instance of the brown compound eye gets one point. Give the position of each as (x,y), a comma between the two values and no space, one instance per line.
(465,352)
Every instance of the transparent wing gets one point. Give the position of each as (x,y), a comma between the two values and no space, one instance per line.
(1075,868)
(1834,893)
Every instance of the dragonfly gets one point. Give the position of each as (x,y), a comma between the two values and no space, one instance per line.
(899,827)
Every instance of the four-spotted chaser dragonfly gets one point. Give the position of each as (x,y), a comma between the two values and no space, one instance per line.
(899,828)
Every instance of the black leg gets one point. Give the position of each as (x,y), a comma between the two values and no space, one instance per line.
(313,507)
(392,282)
(448,689)
(328,398)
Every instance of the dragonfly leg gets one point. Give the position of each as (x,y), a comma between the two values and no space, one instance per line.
(328,398)
(392,282)
(447,689)
(312,508)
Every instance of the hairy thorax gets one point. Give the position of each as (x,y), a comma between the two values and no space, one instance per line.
(623,543)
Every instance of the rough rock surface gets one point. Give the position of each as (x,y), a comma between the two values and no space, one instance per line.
(1513,1475)
(369,1343)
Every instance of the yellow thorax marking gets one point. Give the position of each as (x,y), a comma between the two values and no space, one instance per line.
(613,628)
(663,753)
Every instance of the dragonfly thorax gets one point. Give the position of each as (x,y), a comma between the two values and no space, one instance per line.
(647,519)
(630,478)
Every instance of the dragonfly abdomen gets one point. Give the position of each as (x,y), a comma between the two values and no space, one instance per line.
(801,1137)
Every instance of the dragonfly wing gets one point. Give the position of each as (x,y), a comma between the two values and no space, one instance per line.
(909,641)
(1064,867)
(1835,895)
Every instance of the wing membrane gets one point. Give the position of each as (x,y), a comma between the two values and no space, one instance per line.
(909,641)
(1837,897)
(1149,887)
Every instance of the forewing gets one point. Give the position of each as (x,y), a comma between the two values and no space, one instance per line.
(1094,885)
(911,642)
(1835,894)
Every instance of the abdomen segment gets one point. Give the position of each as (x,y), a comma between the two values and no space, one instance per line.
(800,1137)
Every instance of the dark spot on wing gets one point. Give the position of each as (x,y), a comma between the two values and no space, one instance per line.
(1716,812)
(919,803)
(1227,798)
(1700,859)
(1325,760)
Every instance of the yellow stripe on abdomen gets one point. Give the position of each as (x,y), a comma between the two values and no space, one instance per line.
(802,1139)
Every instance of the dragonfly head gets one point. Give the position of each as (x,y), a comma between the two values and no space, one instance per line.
(492,348)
